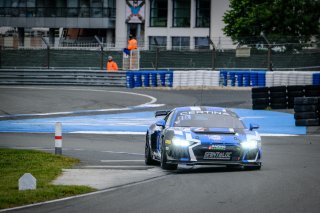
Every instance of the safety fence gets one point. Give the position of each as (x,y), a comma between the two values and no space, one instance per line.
(94,58)
(281,97)
(307,111)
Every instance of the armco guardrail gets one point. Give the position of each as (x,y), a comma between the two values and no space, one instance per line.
(62,77)
(307,111)
(281,97)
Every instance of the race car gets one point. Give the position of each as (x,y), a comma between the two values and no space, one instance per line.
(202,136)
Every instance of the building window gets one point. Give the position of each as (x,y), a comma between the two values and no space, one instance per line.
(181,13)
(201,43)
(180,43)
(160,41)
(158,13)
(203,13)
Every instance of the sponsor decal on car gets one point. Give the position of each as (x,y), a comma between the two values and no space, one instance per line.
(217,155)
(217,147)
(215,137)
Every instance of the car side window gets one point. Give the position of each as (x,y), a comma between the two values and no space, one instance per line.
(168,119)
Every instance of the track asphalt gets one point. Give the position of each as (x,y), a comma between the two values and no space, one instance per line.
(288,181)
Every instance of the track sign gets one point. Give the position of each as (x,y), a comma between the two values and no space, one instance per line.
(243,51)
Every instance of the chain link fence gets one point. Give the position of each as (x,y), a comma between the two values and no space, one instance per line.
(279,56)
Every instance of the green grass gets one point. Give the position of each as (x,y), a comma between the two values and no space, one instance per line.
(44,167)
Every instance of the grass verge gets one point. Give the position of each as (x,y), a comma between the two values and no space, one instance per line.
(45,167)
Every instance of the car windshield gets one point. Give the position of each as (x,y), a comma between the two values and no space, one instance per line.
(207,119)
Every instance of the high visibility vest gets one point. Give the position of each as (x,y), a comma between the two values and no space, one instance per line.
(112,66)
(132,44)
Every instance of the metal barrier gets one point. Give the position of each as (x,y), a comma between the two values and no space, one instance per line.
(62,77)
(147,78)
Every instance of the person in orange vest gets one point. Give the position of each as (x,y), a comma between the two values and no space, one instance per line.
(132,45)
(111,65)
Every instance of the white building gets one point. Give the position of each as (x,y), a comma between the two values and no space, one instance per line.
(172,24)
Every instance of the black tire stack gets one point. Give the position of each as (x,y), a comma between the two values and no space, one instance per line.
(260,97)
(312,90)
(278,97)
(307,111)
(293,92)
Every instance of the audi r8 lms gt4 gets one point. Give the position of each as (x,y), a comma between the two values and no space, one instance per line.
(202,136)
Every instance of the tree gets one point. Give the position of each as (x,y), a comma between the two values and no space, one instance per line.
(282,21)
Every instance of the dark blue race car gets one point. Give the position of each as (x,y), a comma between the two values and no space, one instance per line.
(202,136)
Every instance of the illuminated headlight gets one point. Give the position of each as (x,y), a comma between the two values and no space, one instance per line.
(252,144)
(181,142)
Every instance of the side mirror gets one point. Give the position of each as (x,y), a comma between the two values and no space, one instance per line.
(161,113)
(161,123)
(253,126)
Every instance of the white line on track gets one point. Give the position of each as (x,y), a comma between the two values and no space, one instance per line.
(113,167)
(109,132)
(127,153)
(151,103)
(118,161)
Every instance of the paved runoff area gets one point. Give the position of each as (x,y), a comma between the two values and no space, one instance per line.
(105,127)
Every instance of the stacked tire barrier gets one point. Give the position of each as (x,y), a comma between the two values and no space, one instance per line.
(260,97)
(243,78)
(150,78)
(307,111)
(287,78)
(196,78)
(281,97)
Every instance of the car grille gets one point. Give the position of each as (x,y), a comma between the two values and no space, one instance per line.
(199,152)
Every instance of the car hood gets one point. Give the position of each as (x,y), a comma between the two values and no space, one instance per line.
(215,135)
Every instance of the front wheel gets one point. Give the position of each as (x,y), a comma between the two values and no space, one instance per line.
(147,154)
(163,161)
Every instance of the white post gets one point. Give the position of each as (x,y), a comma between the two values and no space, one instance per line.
(58,139)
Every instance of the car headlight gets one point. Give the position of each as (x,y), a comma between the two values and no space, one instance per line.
(251,144)
(181,142)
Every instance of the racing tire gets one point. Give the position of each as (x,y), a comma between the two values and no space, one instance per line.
(306,100)
(278,100)
(278,105)
(278,89)
(262,101)
(313,93)
(293,94)
(308,122)
(306,115)
(260,95)
(294,88)
(147,154)
(278,95)
(305,108)
(260,89)
(163,161)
